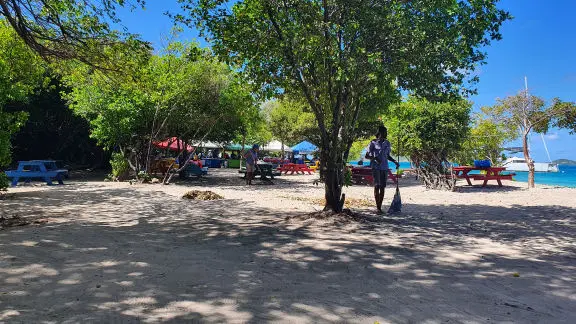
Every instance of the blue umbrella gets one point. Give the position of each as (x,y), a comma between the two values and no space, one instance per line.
(305,147)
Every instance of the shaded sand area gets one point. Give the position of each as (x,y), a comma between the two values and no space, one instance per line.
(119,253)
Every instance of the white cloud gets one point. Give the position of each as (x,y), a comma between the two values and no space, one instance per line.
(551,137)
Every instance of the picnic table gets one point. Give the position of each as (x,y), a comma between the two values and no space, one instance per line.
(295,168)
(264,169)
(43,169)
(491,173)
(364,175)
(193,169)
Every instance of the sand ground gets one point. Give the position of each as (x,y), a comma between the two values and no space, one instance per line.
(121,253)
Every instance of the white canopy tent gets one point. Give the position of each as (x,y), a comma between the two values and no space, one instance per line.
(208,145)
(275,146)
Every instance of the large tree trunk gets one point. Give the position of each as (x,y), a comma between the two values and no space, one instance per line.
(528,159)
(332,167)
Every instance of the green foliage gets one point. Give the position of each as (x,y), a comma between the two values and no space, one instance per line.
(429,130)
(144,177)
(174,94)
(347,177)
(53,131)
(485,141)
(4,182)
(431,134)
(119,165)
(73,29)
(565,115)
(255,130)
(10,123)
(524,113)
(349,59)
(288,120)
(521,113)
(20,72)
(357,148)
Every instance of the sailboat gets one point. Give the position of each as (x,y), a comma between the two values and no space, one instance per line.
(519,164)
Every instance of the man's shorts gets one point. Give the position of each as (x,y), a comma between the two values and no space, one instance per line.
(250,168)
(380,177)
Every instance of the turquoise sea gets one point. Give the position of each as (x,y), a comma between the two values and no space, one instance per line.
(566,177)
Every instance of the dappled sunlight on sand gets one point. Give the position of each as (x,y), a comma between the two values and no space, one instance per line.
(119,253)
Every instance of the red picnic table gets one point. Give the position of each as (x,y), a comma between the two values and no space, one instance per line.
(298,168)
(364,174)
(492,173)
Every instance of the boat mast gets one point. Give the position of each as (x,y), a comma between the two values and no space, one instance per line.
(546,148)
(541,135)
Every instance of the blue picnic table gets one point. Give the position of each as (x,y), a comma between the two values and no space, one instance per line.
(43,169)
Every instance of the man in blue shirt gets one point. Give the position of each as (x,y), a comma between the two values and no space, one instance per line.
(251,159)
(379,154)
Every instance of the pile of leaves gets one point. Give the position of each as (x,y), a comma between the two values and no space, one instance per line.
(202,195)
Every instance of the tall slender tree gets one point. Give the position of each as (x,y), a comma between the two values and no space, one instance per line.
(525,113)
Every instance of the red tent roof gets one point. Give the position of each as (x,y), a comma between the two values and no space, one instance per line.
(172,144)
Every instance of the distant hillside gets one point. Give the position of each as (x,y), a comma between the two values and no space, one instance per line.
(565,162)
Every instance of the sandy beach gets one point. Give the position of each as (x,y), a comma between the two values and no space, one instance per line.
(102,252)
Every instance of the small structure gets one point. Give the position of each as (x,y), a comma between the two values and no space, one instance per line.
(276,146)
(173,144)
(305,147)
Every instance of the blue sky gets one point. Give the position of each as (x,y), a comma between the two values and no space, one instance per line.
(539,43)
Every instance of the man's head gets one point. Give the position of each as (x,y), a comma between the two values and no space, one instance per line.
(256,147)
(382,132)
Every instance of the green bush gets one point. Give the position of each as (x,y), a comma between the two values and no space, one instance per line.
(347,176)
(144,177)
(3,181)
(119,165)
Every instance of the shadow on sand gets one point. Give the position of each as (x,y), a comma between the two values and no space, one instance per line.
(123,255)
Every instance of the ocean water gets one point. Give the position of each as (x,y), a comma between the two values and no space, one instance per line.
(565,177)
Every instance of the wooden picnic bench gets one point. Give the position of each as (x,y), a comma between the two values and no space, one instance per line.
(43,169)
(295,168)
(364,175)
(491,173)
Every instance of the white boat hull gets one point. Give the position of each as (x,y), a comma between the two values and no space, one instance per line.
(538,166)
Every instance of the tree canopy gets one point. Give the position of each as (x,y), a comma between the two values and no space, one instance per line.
(288,120)
(20,72)
(183,92)
(523,113)
(485,141)
(72,29)
(431,134)
(349,59)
